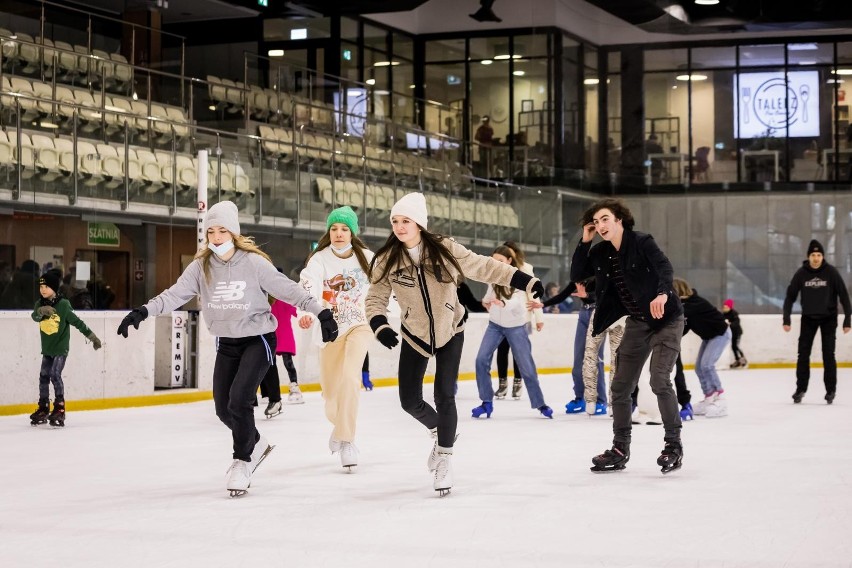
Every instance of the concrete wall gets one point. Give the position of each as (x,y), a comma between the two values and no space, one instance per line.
(125,367)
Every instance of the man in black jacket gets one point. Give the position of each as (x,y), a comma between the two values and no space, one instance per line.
(634,278)
(821,286)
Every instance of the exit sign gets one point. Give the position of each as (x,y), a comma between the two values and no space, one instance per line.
(264,3)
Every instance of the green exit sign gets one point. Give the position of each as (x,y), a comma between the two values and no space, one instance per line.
(264,3)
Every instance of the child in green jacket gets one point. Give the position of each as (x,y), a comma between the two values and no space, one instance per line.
(53,314)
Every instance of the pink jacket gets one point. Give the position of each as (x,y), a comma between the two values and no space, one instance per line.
(283,312)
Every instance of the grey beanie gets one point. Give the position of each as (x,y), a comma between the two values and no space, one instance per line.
(223,214)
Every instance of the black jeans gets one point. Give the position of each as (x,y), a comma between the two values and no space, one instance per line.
(638,343)
(683,395)
(412,367)
(503,361)
(827,327)
(241,364)
(51,372)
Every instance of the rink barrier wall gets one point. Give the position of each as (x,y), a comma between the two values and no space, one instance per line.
(122,373)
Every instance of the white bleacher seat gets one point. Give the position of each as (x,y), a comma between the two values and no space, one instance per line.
(187,175)
(24,88)
(89,163)
(7,154)
(26,157)
(178,116)
(46,157)
(111,165)
(240,178)
(150,171)
(65,151)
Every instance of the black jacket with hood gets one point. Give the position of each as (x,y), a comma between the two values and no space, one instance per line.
(820,289)
(647,274)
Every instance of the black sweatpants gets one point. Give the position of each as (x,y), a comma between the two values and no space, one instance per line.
(412,367)
(241,364)
(827,327)
(503,361)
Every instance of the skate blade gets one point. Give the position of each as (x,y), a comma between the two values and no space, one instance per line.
(671,469)
(443,492)
(268,416)
(351,468)
(234,493)
(263,457)
(597,469)
(296,401)
(58,425)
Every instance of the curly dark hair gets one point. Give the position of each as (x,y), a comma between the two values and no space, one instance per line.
(618,208)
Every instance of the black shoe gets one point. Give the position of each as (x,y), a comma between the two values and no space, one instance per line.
(612,460)
(797,396)
(829,397)
(671,457)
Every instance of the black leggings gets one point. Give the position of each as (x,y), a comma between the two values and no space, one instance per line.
(365,368)
(683,394)
(270,387)
(241,364)
(735,345)
(412,367)
(503,361)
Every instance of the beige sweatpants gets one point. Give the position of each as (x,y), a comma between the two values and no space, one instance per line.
(340,379)
(590,361)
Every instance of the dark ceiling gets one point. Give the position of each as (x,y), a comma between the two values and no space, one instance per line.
(687,17)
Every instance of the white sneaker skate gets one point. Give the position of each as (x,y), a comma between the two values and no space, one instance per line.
(700,408)
(259,453)
(239,478)
(432,462)
(443,480)
(295,396)
(348,456)
(717,409)
(273,409)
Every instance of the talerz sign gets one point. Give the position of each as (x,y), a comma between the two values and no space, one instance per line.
(767,104)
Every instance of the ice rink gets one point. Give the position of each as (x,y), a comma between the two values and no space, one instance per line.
(769,486)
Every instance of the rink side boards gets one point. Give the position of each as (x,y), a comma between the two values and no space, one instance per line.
(194,395)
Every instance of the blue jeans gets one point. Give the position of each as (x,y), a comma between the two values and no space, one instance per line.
(705,363)
(521,347)
(583,323)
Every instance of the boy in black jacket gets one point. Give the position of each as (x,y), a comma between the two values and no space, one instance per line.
(821,286)
(634,278)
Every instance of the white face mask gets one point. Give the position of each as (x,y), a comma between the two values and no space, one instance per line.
(343,250)
(223,249)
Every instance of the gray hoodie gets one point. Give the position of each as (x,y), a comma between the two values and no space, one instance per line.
(235,300)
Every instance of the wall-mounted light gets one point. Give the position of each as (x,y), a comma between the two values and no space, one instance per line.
(802,46)
(486,62)
(841,71)
(299,33)
(371,81)
(519,73)
(693,77)
(706,2)
(275,53)
(591,81)
(385,63)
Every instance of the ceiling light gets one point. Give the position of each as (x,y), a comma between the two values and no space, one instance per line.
(299,33)
(46,124)
(833,81)
(693,77)
(385,63)
(502,56)
(706,2)
(807,62)
(486,62)
(275,53)
(411,86)
(371,81)
(802,46)
(519,73)
(381,92)
(841,71)
(591,81)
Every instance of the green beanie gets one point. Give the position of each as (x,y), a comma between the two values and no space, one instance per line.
(343,215)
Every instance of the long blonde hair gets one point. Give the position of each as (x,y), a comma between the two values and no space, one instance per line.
(241,242)
(682,288)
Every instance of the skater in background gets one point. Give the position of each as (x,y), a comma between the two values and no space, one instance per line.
(234,279)
(684,397)
(503,348)
(365,374)
(633,278)
(337,275)
(821,287)
(424,271)
(709,324)
(733,319)
(508,311)
(285,345)
(54,314)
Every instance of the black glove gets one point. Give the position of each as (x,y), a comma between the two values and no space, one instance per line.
(328,326)
(134,318)
(388,338)
(46,311)
(520,280)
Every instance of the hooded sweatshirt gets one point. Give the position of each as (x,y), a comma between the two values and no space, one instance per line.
(234,301)
(702,317)
(820,288)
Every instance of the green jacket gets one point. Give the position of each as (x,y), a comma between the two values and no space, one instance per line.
(55,335)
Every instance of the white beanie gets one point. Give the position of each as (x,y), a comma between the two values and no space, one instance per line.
(223,214)
(412,206)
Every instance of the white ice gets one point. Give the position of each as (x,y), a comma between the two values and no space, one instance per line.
(768,486)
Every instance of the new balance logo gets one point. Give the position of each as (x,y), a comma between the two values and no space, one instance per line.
(228,292)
